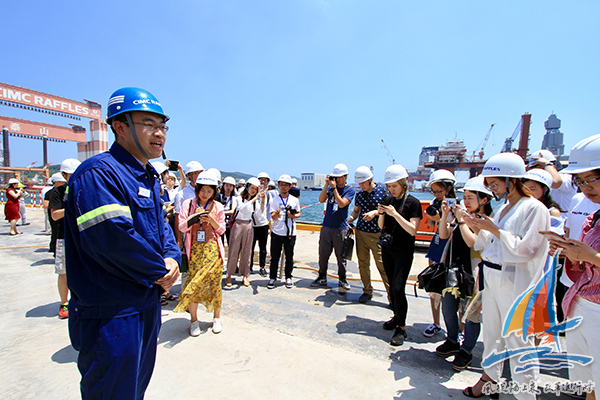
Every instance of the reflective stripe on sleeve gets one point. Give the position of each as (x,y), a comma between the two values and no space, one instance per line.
(100,214)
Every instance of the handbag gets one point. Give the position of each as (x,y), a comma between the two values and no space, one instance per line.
(432,279)
(348,244)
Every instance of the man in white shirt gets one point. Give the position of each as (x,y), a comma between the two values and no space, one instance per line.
(192,170)
(285,209)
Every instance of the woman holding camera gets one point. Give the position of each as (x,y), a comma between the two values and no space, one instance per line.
(441,183)
(399,218)
(513,254)
(240,245)
(477,201)
(205,253)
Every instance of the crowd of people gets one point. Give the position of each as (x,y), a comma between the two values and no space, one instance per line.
(120,248)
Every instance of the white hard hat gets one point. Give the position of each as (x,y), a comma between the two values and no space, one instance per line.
(230,180)
(264,175)
(57,177)
(339,170)
(394,173)
(172,174)
(476,184)
(13,180)
(585,156)
(216,173)
(441,176)
(193,166)
(49,182)
(547,154)
(362,174)
(271,183)
(207,178)
(159,166)
(253,181)
(69,165)
(294,180)
(539,175)
(285,178)
(508,165)
(242,181)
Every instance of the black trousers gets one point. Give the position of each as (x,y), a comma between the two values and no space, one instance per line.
(261,234)
(397,268)
(277,243)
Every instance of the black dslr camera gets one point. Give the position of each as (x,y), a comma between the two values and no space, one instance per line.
(385,240)
(291,210)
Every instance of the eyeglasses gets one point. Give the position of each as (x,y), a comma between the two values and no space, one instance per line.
(587,182)
(492,187)
(153,128)
(437,192)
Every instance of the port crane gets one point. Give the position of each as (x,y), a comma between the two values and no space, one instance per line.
(481,147)
(392,159)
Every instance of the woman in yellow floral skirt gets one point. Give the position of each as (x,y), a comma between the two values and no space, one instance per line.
(205,253)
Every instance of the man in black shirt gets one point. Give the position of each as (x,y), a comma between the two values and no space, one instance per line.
(57,213)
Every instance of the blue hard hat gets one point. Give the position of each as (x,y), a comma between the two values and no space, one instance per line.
(132,99)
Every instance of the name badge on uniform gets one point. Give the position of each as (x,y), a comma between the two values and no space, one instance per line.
(200,236)
(143,192)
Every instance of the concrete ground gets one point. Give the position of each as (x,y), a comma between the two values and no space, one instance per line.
(300,343)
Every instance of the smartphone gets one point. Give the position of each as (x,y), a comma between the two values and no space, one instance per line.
(554,236)
(451,202)
(174,165)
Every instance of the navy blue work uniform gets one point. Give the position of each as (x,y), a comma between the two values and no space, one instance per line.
(116,242)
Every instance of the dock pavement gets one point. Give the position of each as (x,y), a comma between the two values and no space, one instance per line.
(299,343)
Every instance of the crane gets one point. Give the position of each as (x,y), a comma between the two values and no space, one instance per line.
(508,142)
(484,143)
(392,159)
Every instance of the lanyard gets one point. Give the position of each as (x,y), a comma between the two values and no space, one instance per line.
(284,201)
(198,205)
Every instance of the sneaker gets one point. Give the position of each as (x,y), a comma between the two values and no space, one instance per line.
(217,326)
(288,283)
(447,348)
(63,311)
(263,272)
(344,285)
(319,282)
(390,324)
(365,298)
(431,330)
(399,337)
(271,284)
(195,328)
(462,360)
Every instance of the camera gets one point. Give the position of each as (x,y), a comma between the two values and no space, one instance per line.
(291,210)
(173,165)
(433,210)
(385,240)
(332,178)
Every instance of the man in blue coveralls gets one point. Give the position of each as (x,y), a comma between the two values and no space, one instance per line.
(120,253)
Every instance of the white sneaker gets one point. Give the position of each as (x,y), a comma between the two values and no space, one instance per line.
(217,327)
(195,329)
(288,283)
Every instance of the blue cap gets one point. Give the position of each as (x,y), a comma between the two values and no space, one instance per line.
(132,99)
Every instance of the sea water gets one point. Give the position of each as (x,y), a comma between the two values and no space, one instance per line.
(313,212)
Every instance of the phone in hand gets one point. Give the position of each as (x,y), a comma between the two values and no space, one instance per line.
(451,202)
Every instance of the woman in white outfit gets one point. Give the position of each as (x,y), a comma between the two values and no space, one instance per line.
(513,254)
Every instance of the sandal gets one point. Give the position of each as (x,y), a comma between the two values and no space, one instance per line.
(163,302)
(469,391)
(246,282)
(169,297)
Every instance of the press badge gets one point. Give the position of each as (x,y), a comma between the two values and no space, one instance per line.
(200,236)
(143,192)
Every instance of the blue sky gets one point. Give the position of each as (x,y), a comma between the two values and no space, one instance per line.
(298,86)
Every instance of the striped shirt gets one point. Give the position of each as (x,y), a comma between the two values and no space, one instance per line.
(585,275)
